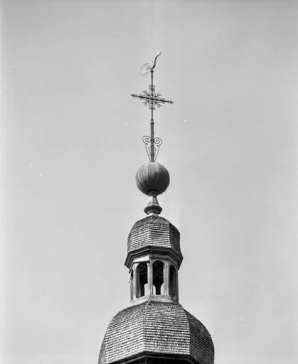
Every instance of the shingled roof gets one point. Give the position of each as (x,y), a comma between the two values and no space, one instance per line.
(155,232)
(157,328)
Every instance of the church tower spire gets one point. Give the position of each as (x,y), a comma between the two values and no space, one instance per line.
(154,328)
(152,178)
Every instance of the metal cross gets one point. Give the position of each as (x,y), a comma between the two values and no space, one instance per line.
(152,99)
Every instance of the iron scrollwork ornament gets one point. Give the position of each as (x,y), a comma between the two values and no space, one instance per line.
(157,142)
(153,100)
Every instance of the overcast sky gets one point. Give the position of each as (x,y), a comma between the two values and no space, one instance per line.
(71,143)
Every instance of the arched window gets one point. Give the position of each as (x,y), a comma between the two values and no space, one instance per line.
(173,283)
(142,279)
(158,267)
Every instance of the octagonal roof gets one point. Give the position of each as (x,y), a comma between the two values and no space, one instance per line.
(156,328)
(154,232)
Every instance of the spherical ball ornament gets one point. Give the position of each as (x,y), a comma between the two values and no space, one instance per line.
(152,176)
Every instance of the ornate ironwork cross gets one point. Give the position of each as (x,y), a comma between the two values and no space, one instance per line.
(152,99)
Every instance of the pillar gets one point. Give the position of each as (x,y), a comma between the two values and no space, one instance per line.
(131,284)
(166,278)
(135,281)
(150,277)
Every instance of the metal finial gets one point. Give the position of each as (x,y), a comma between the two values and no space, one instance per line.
(151,99)
(149,66)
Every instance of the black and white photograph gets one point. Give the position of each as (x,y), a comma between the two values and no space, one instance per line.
(149,182)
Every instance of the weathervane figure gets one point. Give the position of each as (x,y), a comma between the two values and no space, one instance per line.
(151,99)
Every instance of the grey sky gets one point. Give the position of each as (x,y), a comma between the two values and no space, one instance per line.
(71,145)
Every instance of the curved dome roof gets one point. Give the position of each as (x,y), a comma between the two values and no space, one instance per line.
(154,232)
(156,328)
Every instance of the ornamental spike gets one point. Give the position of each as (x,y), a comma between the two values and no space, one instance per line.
(153,100)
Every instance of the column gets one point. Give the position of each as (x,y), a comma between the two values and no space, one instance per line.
(150,277)
(166,278)
(131,284)
(177,286)
(135,281)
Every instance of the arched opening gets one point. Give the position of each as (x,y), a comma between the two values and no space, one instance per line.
(158,267)
(173,283)
(142,279)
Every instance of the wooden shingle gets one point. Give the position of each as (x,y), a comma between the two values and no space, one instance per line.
(159,328)
(155,231)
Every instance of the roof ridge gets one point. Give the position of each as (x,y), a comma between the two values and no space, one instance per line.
(144,317)
(188,323)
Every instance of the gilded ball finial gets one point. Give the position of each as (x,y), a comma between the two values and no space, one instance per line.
(152,179)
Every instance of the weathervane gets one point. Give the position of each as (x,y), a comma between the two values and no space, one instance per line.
(151,99)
